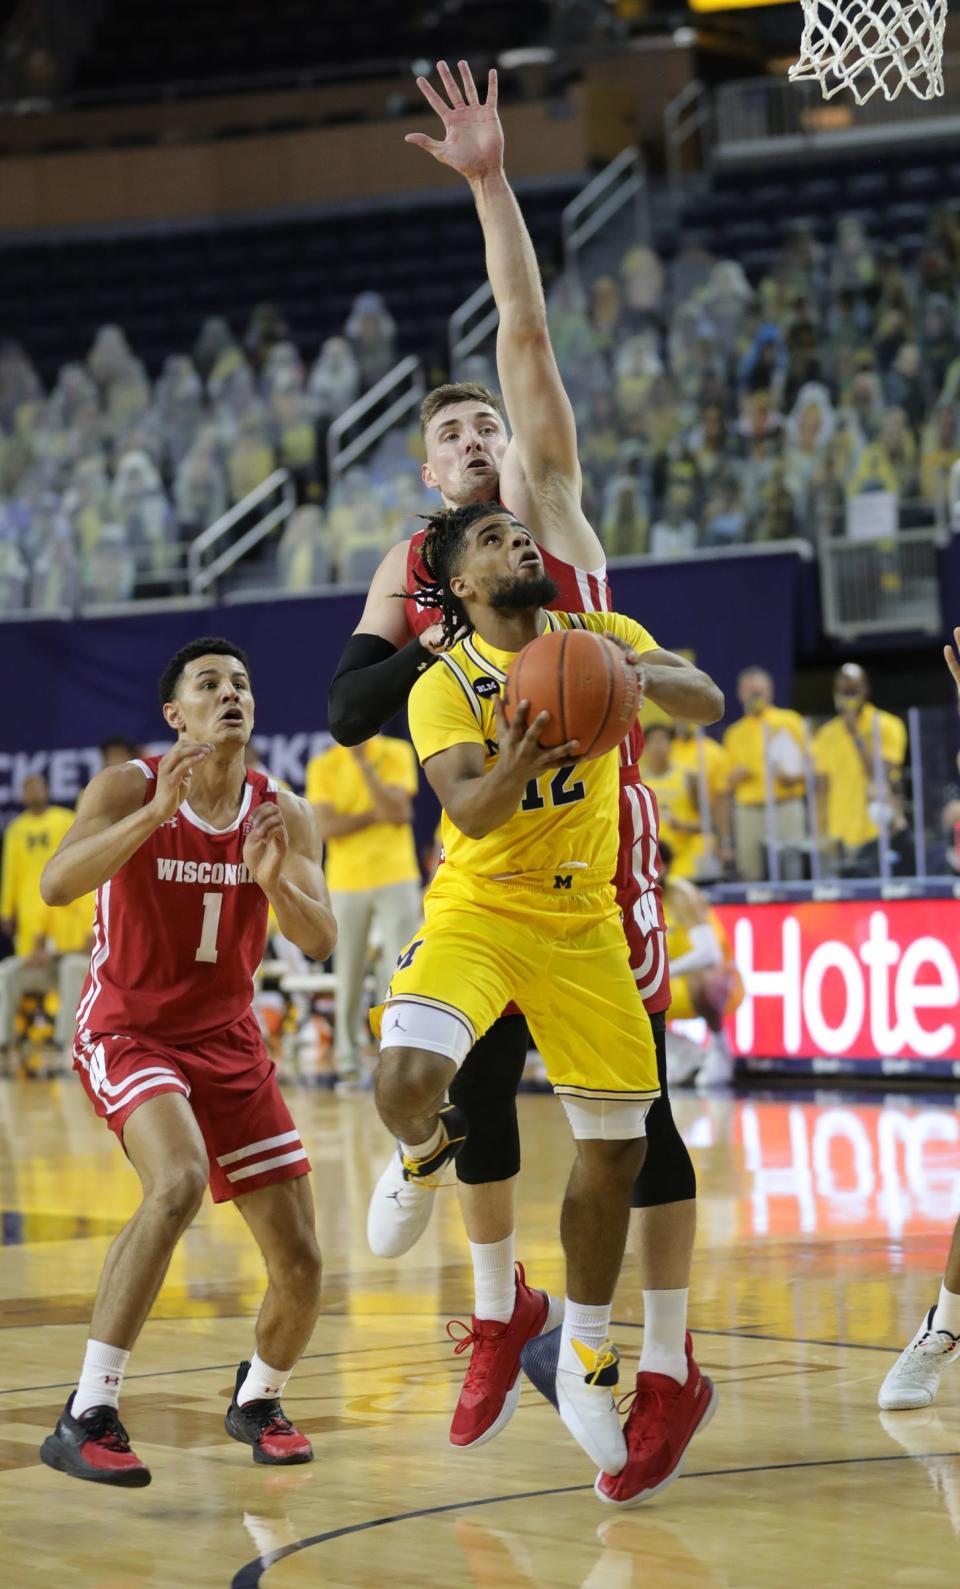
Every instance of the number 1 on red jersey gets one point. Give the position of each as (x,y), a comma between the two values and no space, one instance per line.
(207,949)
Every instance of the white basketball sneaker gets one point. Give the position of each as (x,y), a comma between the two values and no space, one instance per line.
(582,1386)
(402,1200)
(399,1211)
(586,1401)
(914,1379)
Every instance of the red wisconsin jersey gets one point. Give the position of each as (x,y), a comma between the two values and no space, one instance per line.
(180,930)
(637,880)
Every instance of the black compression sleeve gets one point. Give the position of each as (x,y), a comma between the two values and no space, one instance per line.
(371,684)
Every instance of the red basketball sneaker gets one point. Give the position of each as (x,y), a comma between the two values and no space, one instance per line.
(663,1420)
(491,1389)
(263,1425)
(95,1447)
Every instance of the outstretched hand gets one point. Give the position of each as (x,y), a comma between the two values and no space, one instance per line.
(473,137)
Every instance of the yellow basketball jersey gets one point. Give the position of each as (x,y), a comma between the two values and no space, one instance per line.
(567,821)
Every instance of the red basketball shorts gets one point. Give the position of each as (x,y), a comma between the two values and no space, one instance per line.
(231,1084)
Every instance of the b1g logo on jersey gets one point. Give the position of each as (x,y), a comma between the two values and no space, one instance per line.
(485,687)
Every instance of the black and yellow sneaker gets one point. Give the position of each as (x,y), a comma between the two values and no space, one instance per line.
(454,1127)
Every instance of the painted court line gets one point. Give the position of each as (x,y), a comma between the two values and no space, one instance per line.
(312,1357)
(250,1576)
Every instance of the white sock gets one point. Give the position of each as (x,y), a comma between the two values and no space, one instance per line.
(664,1334)
(262,1383)
(586,1322)
(494,1279)
(101,1377)
(947,1316)
(424,1150)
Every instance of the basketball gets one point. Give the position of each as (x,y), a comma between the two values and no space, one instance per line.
(586,684)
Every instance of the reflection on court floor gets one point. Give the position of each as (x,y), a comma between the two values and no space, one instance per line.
(823,1227)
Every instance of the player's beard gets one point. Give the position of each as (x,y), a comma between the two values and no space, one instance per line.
(518,594)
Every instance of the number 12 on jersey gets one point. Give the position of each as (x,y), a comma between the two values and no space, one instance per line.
(561,791)
(207,947)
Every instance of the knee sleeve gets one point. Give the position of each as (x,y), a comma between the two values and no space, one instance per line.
(604,1120)
(405,1024)
(485,1088)
(667,1175)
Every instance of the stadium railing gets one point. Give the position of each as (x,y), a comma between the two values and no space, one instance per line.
(687,124)
(209,559)
(619,190)
(612,210)
(917,819)
(879,575)
(472,327)
(392,401)
(757,117)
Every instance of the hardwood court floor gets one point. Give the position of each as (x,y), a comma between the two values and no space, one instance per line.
(823,1226)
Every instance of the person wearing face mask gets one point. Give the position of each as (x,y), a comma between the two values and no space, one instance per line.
(857,791)
(766,752)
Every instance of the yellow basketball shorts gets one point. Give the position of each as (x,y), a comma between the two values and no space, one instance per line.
(563,960)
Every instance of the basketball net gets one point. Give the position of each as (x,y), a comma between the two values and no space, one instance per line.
(866,45)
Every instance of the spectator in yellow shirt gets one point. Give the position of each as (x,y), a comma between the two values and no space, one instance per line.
(855,785)
(47,941)
(363,797)
(28,843)
(708,765)
(673,786)
(767,755)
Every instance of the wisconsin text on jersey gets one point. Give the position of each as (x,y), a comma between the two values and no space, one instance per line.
(171,869)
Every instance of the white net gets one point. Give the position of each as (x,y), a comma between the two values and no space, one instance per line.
(866,45)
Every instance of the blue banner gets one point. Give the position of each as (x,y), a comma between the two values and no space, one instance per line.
(70,685)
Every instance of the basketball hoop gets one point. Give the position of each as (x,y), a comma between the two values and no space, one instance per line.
(866,45)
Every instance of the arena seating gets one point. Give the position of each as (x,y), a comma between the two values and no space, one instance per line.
(143,44)
(160,284)
(746,214)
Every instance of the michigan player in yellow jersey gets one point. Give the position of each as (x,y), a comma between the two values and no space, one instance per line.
(704,979)
(522,907)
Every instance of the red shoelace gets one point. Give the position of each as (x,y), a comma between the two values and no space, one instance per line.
(481,1361)
(642,1401)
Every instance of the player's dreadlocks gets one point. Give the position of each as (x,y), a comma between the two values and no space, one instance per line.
(440,553)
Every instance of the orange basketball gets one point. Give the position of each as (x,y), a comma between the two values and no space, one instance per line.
(586,684)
